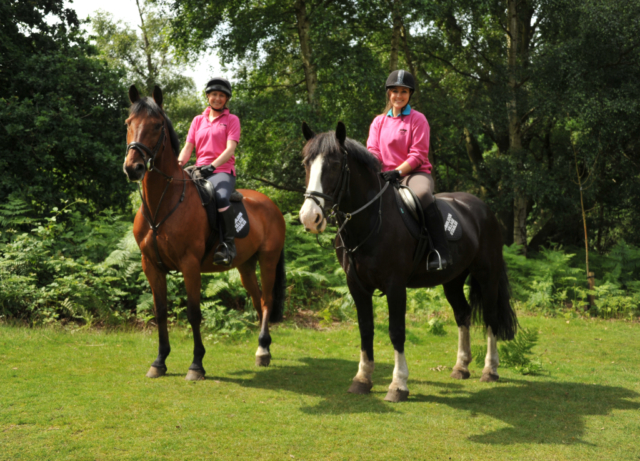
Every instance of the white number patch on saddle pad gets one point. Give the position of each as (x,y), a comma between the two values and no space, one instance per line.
(240,222)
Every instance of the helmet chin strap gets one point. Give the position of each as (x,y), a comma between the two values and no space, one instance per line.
(217,110)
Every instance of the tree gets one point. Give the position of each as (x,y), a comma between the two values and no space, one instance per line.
(61,111)
(147,58)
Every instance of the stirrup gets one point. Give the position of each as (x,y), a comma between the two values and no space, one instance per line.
(226,261)
(439,260)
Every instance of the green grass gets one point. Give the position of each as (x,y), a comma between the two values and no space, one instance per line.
(83,395)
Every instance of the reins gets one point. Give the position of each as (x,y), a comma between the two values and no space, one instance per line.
(150,165)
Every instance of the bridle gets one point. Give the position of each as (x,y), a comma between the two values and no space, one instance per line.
(149,157)
(343,218)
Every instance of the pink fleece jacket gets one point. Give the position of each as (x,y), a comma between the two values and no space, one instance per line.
(398,139)
(210,138)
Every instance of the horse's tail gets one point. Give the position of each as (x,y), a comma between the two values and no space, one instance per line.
(279,287)
(500,316)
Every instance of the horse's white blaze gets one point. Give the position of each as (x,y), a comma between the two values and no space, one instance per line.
(400,373)
(261,352)
(365,369)
(464,349)
(311,214)
(491,361)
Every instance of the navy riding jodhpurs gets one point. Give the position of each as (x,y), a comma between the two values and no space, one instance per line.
(224,184)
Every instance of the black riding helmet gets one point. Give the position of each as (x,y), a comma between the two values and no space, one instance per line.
(219,84)
(401,78)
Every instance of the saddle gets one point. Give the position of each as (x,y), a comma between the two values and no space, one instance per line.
(411,210)
(208,200)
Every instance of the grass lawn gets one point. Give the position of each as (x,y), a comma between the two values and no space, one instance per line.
(83,395)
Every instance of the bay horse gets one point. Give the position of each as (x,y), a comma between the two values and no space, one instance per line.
(174,237)
(376,251)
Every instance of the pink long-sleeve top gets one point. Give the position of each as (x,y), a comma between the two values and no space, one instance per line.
(210,138)
(398,139)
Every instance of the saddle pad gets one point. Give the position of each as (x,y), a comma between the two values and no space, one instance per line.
(452,226)
(241,219)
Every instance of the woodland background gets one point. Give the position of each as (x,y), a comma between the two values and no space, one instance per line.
(533,106)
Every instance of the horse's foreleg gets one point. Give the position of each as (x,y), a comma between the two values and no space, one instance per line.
(490,372)
(397,300)
(362,383)
(158,282)
(193,284)
(454,291)
(250,283)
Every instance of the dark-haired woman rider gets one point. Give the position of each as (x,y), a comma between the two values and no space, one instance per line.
(215,135)
(399,137)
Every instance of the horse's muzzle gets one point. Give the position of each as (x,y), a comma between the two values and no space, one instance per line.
(134,170)
(312,217)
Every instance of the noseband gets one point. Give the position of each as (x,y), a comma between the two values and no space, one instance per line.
(343,182)
(149,155)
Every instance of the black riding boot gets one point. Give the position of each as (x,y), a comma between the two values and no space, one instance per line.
(435,227)
(226,251)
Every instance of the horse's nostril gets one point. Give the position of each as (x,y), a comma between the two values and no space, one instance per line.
(139,167)
(317,219)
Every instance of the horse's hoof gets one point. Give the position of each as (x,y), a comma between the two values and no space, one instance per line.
(358,387)
(195,375)
(460,374)
(397,395)
(263,360)
(489,378)
(155,372)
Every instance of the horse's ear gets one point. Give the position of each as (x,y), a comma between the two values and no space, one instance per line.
(134,96)
(157,95)
(307,132)
(341,133)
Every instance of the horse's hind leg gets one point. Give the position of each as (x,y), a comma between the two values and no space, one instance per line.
(193,284)
(491,362)
(454,291)
(250,283)
(158,282)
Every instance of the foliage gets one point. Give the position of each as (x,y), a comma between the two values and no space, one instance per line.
(61,117)
(515,353)
(571,82)
(146,58)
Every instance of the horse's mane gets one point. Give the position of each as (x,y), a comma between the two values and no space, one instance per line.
(327,143)
(149,105)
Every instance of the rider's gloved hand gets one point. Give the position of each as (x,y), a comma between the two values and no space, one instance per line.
(207,170)
(392,175)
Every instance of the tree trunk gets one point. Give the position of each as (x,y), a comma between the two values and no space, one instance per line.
(310,74)
(409,58)
(520,201)
(395,34)
(151,75)
(475,156)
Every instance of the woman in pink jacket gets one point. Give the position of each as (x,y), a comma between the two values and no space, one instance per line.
(399,137)
(215,135)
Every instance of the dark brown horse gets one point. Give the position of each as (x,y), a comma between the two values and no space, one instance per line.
(174,236)
(376,250)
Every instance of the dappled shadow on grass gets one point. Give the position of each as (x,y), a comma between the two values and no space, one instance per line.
(537,412)
(327,379)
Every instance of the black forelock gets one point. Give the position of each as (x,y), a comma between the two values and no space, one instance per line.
(327,143)
(152,109)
